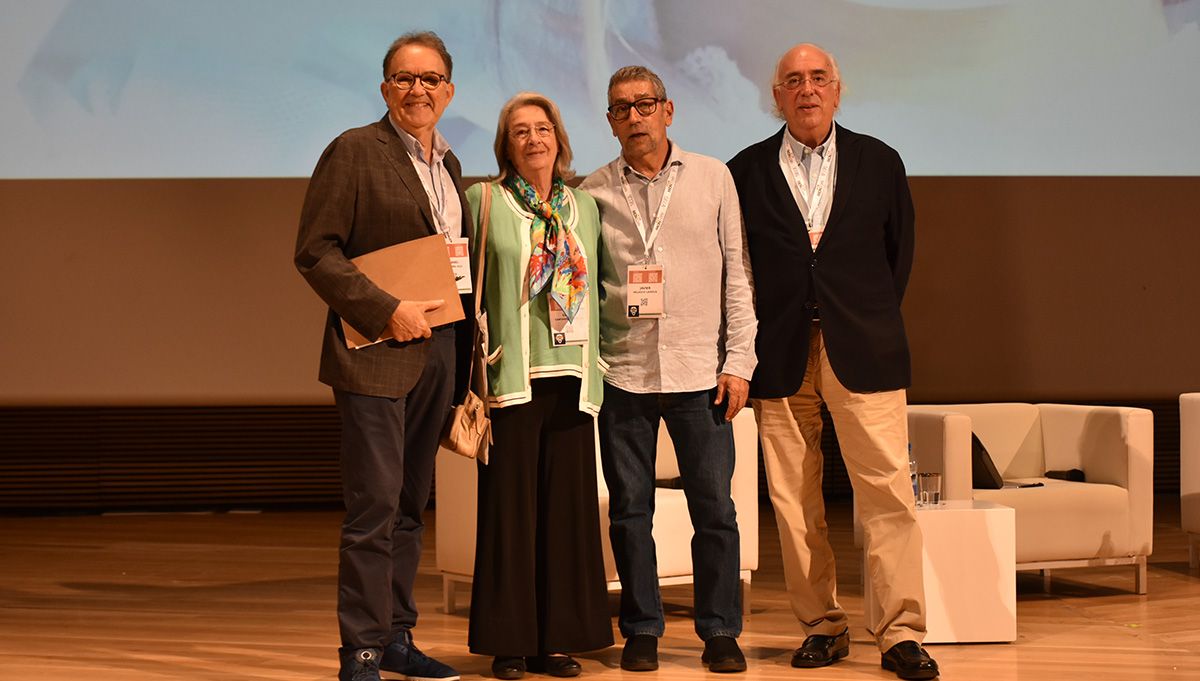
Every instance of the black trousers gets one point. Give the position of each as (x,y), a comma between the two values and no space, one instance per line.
(539,571)
(388,449)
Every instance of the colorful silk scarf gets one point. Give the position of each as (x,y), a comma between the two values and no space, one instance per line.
(555,258)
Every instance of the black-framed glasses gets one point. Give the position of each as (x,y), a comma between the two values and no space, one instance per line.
(430,80)
(818,80)
(645,106)
(523,134)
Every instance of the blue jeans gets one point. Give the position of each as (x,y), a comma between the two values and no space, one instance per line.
(703,443)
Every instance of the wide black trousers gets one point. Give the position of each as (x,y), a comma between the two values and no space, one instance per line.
(539,571)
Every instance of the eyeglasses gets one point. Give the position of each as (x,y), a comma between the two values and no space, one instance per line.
(818,80)
(522,135)
(645,106)
(405,80)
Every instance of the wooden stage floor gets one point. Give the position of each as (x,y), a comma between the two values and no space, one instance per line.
(249,596)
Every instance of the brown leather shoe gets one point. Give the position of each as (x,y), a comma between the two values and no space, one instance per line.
(819,650)
(910,661)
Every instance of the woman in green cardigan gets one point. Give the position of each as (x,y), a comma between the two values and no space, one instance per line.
(539,587)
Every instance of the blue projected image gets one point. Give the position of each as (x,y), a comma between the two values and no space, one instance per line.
(223,88)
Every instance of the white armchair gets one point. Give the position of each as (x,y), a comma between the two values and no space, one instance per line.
(456,508)
(1189,473)
(1106,520)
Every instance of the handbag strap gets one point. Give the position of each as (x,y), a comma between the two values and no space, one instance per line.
(485,214)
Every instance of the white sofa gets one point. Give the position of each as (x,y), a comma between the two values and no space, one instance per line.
(1106,520)
(1189,473)
(456,507)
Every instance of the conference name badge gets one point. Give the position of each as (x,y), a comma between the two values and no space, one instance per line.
(646,291)
(460,263)
(563,332)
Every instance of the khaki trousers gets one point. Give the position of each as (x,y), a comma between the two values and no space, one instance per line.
(872,430)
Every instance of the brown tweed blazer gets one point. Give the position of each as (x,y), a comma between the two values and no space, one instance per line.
(365,195)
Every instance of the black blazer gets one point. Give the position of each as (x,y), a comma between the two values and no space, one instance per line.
(856,277)
(365,195)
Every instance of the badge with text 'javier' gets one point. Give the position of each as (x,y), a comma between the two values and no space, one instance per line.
(460,262)
(645,292)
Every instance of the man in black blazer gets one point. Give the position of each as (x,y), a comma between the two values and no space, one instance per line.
(829,226)
(382,184)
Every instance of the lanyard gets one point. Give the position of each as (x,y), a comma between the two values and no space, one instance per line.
(659,215)
(437,192)
(816,196)
(438,204)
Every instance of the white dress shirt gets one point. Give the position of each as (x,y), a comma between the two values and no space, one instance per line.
(810,161)
(708,326)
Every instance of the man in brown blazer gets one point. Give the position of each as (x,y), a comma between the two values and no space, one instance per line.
(385,183)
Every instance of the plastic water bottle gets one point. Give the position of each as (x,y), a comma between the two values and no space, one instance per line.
(912,472)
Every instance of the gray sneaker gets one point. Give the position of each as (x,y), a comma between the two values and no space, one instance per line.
(403,657)
(359,665)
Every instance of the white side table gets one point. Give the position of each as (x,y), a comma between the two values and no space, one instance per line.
(970,573)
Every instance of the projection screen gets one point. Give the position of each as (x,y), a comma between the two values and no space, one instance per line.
(230,88)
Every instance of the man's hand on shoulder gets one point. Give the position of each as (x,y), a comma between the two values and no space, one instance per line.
(734,389)
(408,320)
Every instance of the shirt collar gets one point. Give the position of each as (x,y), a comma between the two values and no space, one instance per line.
(414,147)
(674,157)
(799,148)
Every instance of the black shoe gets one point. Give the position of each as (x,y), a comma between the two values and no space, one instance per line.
(722,655)
(910,661)
(562,666)
(359,665)
(508,667)
(640,653)
(403,657)
(819,650)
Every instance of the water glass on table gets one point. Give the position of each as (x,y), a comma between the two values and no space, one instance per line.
(929,487)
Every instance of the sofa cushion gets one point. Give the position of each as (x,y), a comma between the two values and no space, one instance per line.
(1065,520)
(1012,433)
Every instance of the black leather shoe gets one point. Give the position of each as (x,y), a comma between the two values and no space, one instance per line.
(722,655)
(910,661)
(508,667)
(640,653)
(562,666)
(819,650)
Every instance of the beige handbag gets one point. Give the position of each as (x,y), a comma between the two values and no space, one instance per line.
(469,430)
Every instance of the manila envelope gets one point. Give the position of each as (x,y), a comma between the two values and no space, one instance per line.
(413,270)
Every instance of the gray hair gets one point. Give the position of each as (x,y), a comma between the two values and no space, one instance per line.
(562,164)
(424,39)
(626,74)
(833,68)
